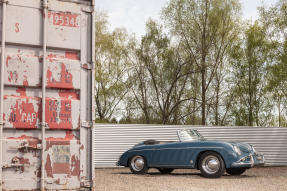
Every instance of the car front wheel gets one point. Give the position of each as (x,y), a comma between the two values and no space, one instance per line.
(165,170)
(235,171)
(211,165)
(138,165)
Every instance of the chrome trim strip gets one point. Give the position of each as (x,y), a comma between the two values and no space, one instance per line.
(153,149)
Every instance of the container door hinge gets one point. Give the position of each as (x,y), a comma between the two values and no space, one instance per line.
(25,147)
(4,1)
(88,66)
(45,125)
(87,124)
(87,9)
(86,184)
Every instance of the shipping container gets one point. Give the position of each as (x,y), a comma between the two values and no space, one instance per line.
(46,108)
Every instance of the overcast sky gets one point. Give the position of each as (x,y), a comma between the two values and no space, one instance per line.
(133,14)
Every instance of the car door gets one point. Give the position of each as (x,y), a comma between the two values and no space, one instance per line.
(172,154)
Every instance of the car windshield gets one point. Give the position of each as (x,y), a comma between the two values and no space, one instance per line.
(189,135)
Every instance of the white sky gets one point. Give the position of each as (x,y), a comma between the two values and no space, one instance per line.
(133,14)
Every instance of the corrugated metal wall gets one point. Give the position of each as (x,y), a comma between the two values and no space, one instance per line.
(112,140)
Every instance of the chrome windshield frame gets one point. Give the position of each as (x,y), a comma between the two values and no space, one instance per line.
(190,135)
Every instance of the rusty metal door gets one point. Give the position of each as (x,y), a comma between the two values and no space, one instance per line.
(46,94)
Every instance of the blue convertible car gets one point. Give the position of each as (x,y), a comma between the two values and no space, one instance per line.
(192,151)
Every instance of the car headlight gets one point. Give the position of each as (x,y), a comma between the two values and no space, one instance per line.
(237,150)
(253,149)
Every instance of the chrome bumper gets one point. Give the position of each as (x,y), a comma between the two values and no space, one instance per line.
(255,159)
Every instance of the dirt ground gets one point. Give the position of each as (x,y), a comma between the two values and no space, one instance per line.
(256,179)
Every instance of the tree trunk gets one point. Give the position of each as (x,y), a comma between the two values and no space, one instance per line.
(250,104)
(203,92)
(217,105)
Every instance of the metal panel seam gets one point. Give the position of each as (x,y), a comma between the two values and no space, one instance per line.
(45,15)
(93,48)
(3,40)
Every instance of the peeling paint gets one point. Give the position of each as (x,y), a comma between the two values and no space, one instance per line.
(64,78)
(60,141)
(23,114)
(72,55)
(32,141)
(59,114)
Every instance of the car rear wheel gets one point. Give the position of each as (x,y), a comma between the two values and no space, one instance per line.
(138,165)
(165,170)
(211,165)
(235,171)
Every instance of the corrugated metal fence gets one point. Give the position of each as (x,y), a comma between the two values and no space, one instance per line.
(112,140)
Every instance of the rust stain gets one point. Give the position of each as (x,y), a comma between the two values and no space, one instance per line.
(75,166)
(32,141)
(48,167)
(61,168)
(60,141)
(57,181)
(22,161)
(37,172)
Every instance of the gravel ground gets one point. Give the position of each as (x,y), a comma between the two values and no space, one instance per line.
(256,179)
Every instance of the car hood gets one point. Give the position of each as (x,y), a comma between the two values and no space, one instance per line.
(245,147)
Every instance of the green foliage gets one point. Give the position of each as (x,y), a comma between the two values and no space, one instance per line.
(111,81)
(210,68)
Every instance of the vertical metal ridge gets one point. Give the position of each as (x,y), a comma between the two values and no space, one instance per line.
(93,25)
(112,140)
(3,42)
(45,15)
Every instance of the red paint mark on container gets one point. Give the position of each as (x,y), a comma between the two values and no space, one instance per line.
(25,81)
(52,57)
(72,55)
(64,19)
(12,76)
(65,81)
(64,94)
(7,60)
(21,91)
(32,141)
(59,114)
(23,114)
(17,27)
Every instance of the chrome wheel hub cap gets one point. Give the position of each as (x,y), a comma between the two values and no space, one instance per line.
(137,163)
(210,164)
